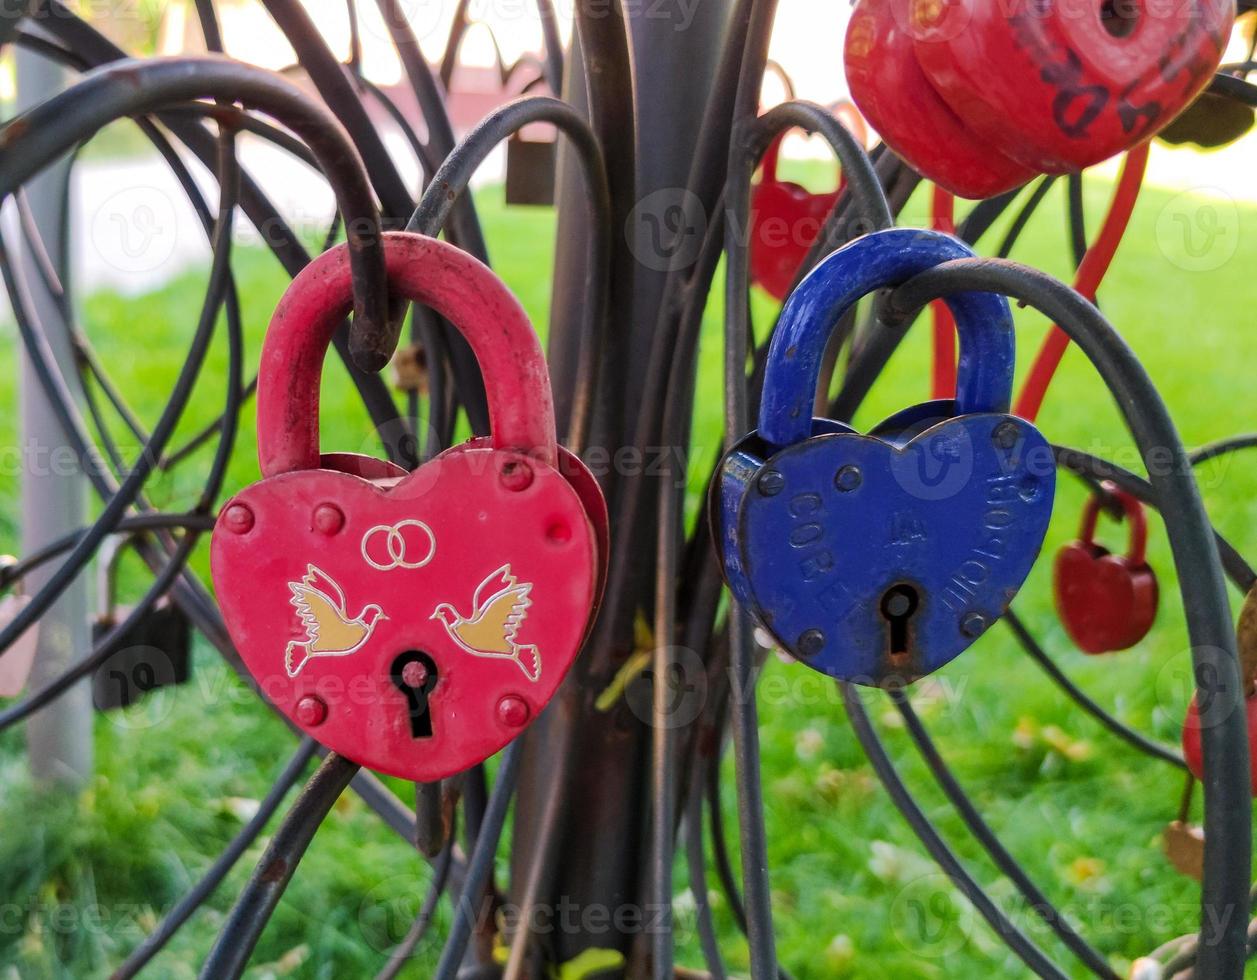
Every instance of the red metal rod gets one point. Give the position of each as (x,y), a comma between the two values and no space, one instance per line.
(1090,274)
(943,374)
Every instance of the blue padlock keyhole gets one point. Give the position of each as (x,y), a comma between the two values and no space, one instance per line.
(877,558)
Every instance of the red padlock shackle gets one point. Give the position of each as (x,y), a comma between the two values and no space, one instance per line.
(454,284)
(1135,517)
(840,109)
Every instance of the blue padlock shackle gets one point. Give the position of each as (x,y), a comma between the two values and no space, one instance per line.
(984,323)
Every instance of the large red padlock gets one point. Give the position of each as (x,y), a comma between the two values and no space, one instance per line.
(786,218)
(891,90)
(1059,86)
(412,622)
(1106,601)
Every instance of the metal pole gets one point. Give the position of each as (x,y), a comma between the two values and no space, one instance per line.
(59,738)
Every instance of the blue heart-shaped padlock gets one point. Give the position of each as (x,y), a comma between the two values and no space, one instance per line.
(879,558)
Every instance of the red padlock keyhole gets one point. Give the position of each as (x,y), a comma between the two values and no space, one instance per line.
(1106,601)
(412,622)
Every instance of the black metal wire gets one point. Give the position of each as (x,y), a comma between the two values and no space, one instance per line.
(749,143)
(150,521)
(1023,216)
(141,87)
(249,916)
(404,950)
(480,864)
(982,833)
(183,910)
(86,542)
(115,508)
(451,180)
(696,865)
(1014,938)
(1227,798)
(1141,742)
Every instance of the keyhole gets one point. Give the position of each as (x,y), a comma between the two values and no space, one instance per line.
(414,674)
(899,604)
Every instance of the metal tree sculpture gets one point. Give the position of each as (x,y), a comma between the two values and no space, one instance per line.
(654,191)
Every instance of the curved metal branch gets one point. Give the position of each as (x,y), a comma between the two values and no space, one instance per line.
(141,87)
(1228,802)
(257,901)
(196,896)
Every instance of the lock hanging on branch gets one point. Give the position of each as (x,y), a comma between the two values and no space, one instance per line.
(155,653)
(979,96)
(878,558)
(412,622)
(1106,601)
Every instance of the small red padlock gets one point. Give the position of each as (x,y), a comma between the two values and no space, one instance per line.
(1246,646)
(412,622)
(890,88)
(1057,86)
(785,220)
(1107,602)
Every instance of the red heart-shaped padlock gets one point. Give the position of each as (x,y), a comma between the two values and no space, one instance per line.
(1193,754)
(1246,647)
(785,219)
(892,91)
(1107,602)
(412,622)
(1060,86)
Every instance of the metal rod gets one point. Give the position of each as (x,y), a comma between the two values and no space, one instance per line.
(253,909)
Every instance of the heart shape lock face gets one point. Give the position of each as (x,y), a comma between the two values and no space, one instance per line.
(1105,602)
(451,588)
(414,623)
(1060,86)
(891,549)
(890,88)
(786,219)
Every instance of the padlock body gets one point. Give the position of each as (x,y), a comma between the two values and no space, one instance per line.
(1060,86)
(1105,601)
(815,538)
(156,652)
(892,91)
(482,560)
(786,219)
(530,170)
(1193,752)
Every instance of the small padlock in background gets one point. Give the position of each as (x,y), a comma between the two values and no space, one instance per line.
(530,166)
(15,664)
(155,653)
(1106,601)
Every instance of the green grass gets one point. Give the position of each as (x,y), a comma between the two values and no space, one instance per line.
(850,882)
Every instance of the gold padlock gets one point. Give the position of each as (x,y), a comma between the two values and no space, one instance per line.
(1185,847)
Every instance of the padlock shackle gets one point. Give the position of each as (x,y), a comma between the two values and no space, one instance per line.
(1132,510)
(426,270)
(879,260)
